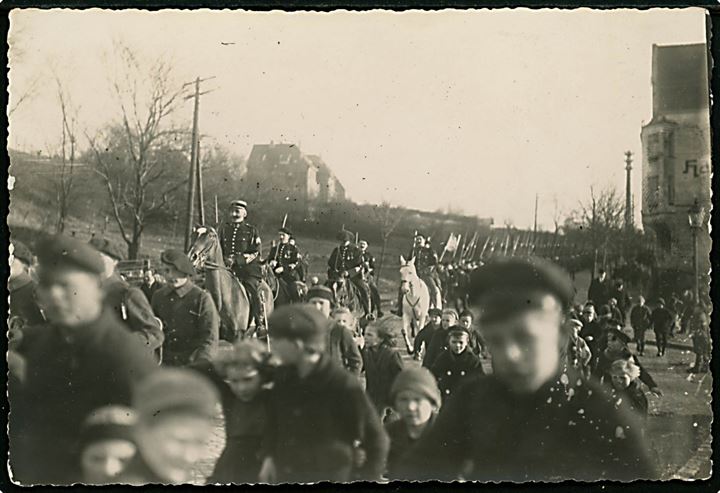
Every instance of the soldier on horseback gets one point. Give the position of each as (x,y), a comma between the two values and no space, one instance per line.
(346,263)
(368,263)
(426,261)
(240,244)
(284,260)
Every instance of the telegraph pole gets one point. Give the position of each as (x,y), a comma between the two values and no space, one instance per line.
(535,221)
(195,179)
(628,192)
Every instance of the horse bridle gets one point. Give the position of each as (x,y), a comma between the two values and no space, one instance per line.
(203,262)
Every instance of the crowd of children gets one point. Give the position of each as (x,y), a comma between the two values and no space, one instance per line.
(323,399)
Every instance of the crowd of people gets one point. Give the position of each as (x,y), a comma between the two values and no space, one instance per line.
(110,383)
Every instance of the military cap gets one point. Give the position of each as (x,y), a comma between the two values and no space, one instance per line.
(285,230)
(238,203)
(170,390)
(435,312)
(299,322)
(58,251)
(344,235)
(22,252)
(179,260)
(509,286)
(320,291)
(420,234)
(103,246)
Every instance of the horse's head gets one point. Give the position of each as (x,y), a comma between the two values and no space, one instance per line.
(408,273)
(206,239)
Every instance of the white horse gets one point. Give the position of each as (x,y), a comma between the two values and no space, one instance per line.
(415,299)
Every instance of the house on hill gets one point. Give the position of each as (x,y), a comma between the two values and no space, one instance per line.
(283,172)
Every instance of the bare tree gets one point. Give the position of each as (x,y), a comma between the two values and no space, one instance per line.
(131,157)
(64,186)
(388,218)
(16,53)
(601,218)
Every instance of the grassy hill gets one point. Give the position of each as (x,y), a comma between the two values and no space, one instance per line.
(33,209)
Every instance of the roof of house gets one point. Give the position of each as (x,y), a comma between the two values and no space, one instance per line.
(680,78)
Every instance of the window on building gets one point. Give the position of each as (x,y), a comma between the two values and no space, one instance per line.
(671,189)
(653,188)
(654,149)
(670,144)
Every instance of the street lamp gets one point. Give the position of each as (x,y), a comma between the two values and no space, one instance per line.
(696,217)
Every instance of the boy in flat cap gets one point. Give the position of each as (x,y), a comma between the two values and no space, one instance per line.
(532,419)
(129,303)
(240,244)
(345,263)
(321,425)
(81,359)
(191,321)
(283,260)
(423,338)
(457,363)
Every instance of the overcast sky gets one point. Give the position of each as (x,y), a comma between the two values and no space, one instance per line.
(478,110)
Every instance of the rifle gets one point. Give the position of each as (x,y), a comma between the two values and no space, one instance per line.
(482,252)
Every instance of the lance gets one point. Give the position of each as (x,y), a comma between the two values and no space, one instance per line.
(217,215)
(357,238)
(515,245)
(458,246)
(471,249)
(482,252)
(285,221)
(507,245)
(475,245)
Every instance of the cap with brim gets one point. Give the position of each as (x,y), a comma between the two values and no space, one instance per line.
(22,252)
(506,287)
(104,246)
(62,252)
(238,203)
(322,292)
(345,236)
(172,390)
(179,260)
(285,230)
(299,322)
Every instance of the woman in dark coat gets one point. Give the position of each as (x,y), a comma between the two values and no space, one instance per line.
(382,363)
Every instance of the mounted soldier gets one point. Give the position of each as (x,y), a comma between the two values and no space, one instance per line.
(284,260)
(368,264)
(240,243)
(345,263)
(426,261)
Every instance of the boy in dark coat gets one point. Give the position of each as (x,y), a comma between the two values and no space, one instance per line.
(240,374)
(192,323)
(416,400)
(81,359)
(321,425)
(477,344)
(617,348)
(423,338)
(381,362)
(625,376)
(457,363)
(439,340)
(662,320)
(530,420)
(640,322)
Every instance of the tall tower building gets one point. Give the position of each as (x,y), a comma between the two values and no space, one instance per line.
(676,164)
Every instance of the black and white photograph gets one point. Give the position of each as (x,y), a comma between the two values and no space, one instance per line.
(274,247)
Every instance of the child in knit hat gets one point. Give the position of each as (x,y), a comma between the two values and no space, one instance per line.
(240,375)
(176,410)
(416,400)
(626,386)
(107,444)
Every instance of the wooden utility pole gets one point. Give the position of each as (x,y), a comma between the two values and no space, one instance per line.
(198,171)
(535,221)
(195,180)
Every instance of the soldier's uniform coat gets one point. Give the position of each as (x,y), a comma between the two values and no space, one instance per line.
(70,372)
(237,239)
(133,309)
(568,429)
(314,421)
(191,323)
(345,258)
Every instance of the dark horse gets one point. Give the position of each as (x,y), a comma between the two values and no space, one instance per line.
(280,288)
(226,290)
(346,295)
